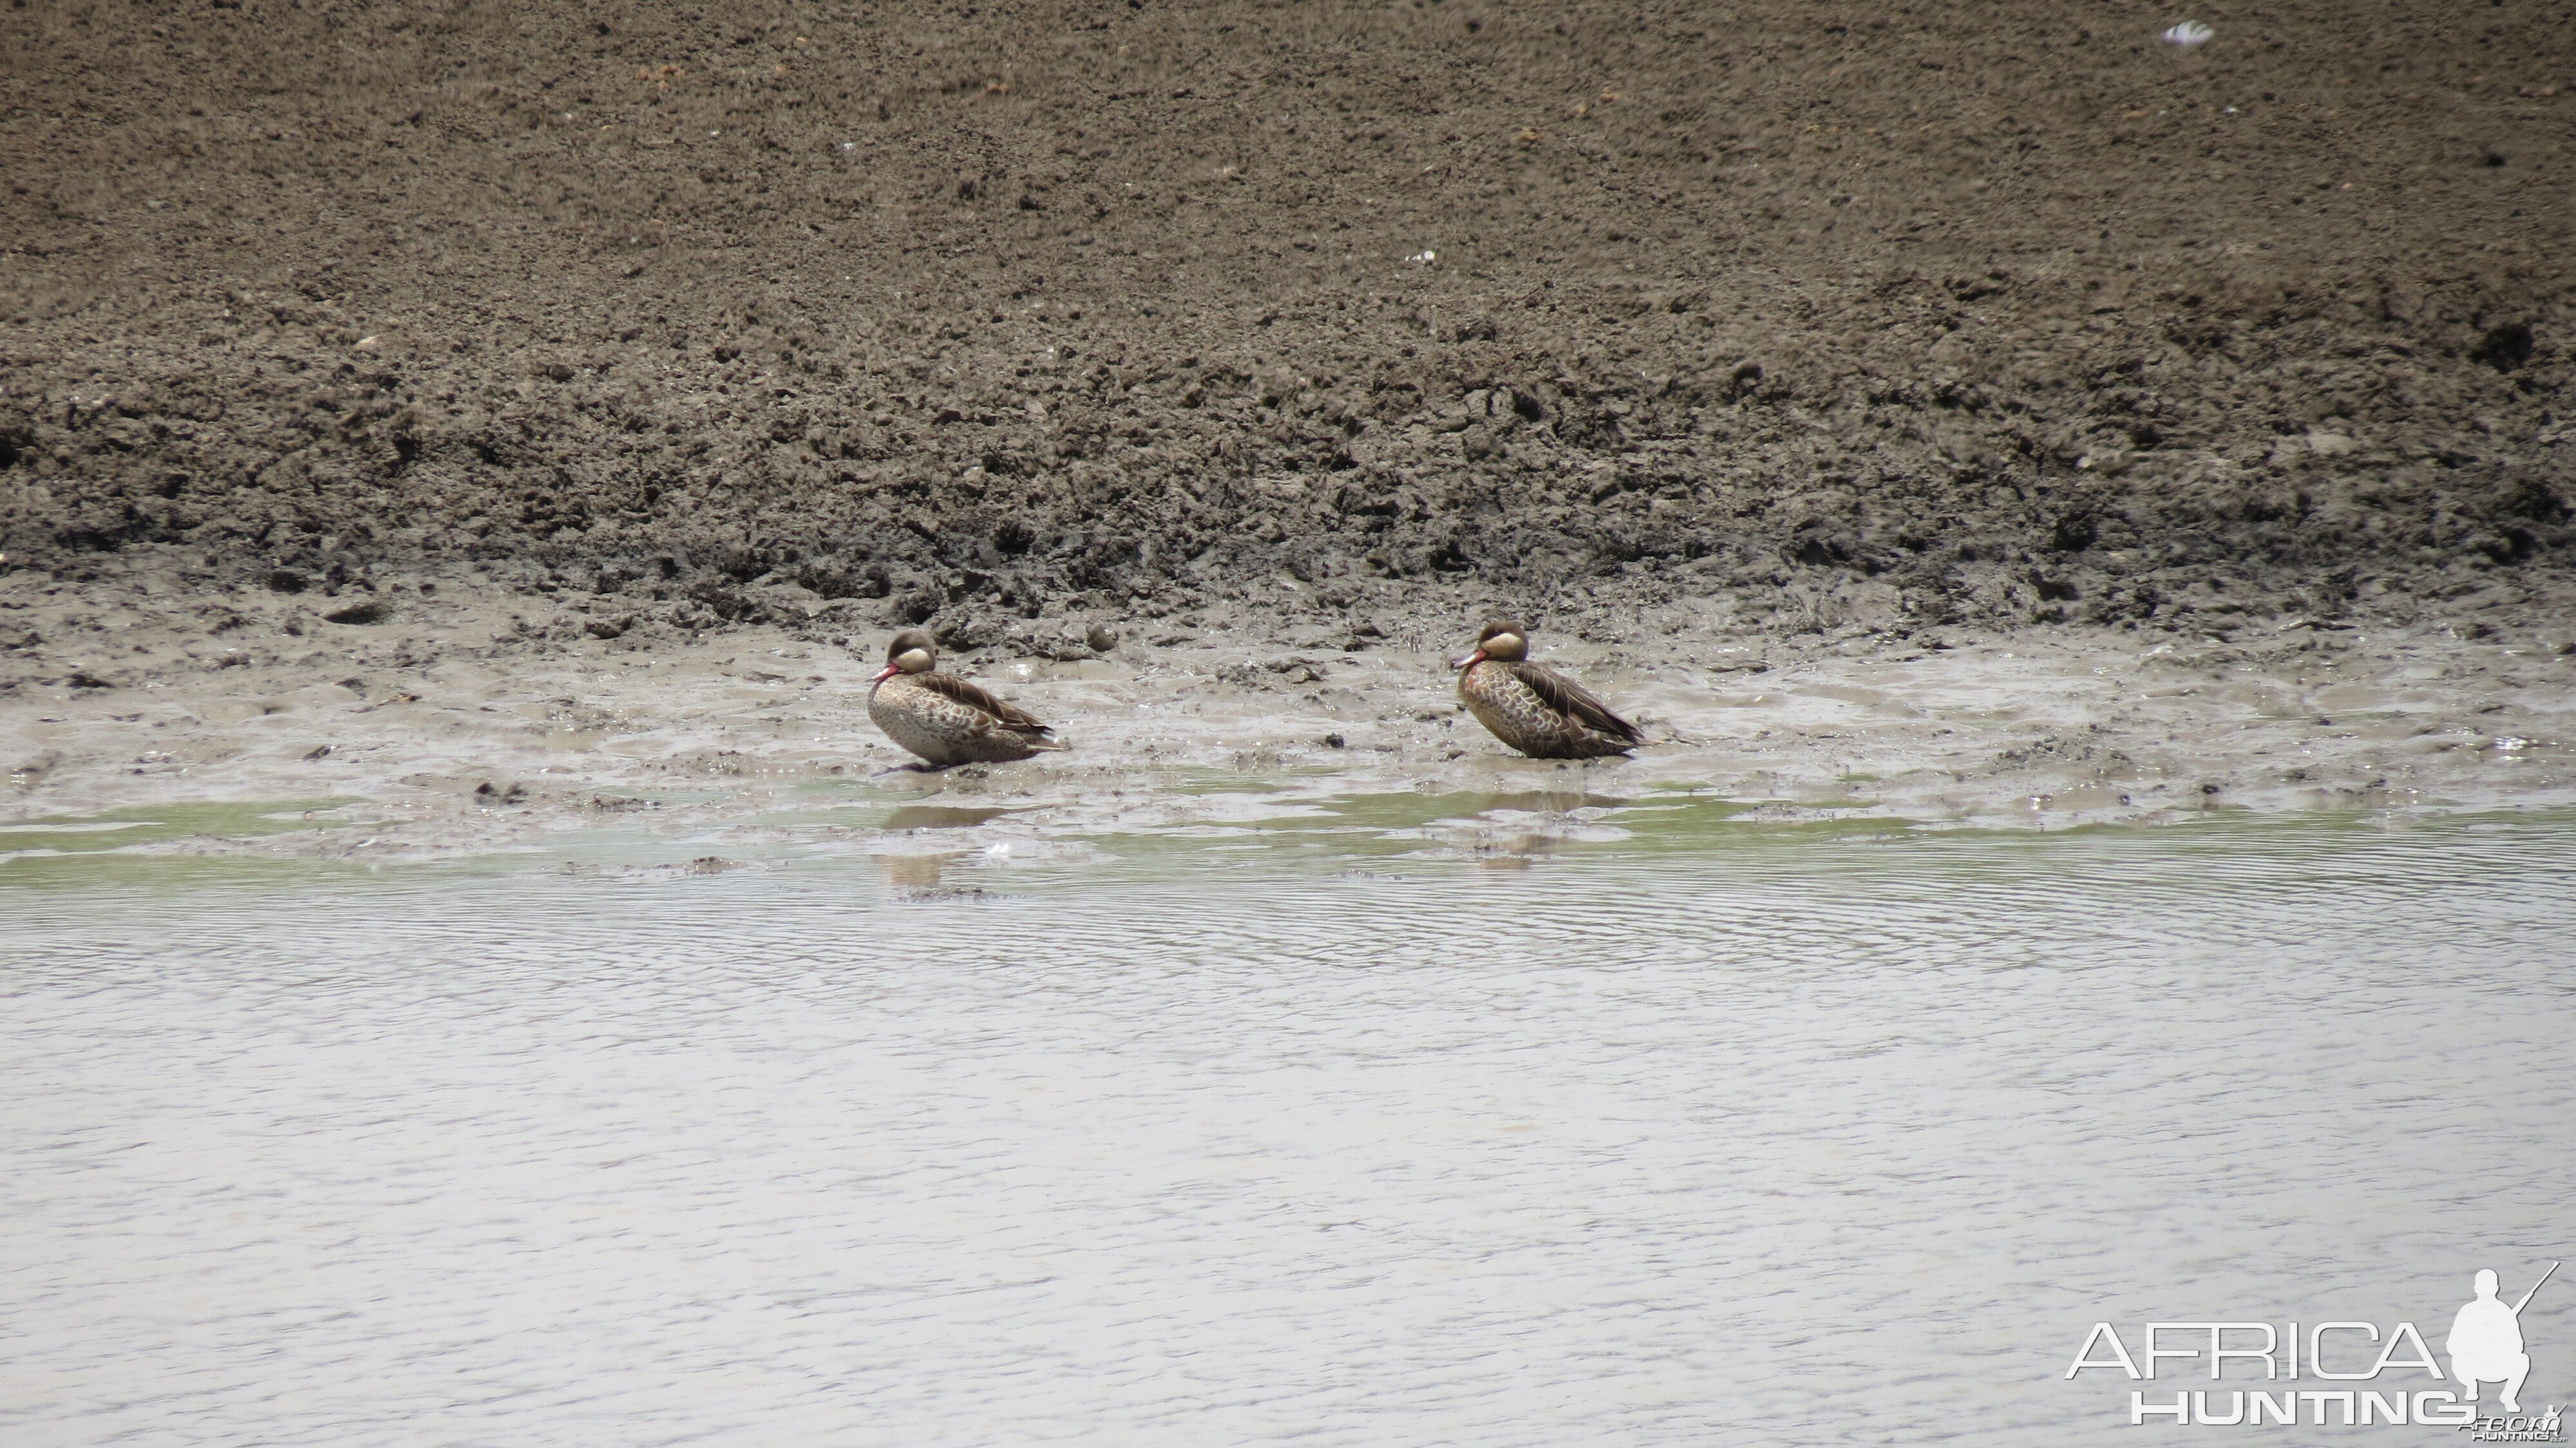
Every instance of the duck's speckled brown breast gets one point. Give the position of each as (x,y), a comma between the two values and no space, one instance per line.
(942,730)
(1514,713)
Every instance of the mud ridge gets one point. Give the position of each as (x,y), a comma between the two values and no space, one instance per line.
(1993,316)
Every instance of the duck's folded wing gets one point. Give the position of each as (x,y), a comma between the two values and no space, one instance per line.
(973,696)
(1574,701)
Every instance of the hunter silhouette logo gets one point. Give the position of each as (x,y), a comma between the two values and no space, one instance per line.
(2486,1340)
(2340,1373)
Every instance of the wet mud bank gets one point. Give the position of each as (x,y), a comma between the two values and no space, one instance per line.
(454,718)
(1933,411)
(1990,318)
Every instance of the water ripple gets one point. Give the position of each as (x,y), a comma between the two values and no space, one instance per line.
(1758,1140)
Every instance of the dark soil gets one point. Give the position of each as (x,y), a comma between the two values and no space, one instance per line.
(995,309)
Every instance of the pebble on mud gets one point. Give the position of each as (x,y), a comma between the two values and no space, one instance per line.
(1101,638)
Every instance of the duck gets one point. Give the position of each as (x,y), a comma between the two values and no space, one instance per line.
(1532,707)
(945,719)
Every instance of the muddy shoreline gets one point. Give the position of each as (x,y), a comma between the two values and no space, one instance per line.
(2087,411)
(1990,319)
(458,722)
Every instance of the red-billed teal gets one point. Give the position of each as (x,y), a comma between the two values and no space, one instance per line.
(1532,707)
(943,718)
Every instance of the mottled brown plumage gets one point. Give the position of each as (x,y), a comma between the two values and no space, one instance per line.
(1532,707)
(945,719)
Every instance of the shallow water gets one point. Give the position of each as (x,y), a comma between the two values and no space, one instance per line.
(1403,1120)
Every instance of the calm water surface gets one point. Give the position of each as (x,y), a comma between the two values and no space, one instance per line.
(1350,1127)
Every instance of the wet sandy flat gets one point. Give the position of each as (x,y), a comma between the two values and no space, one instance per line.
(475,719)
